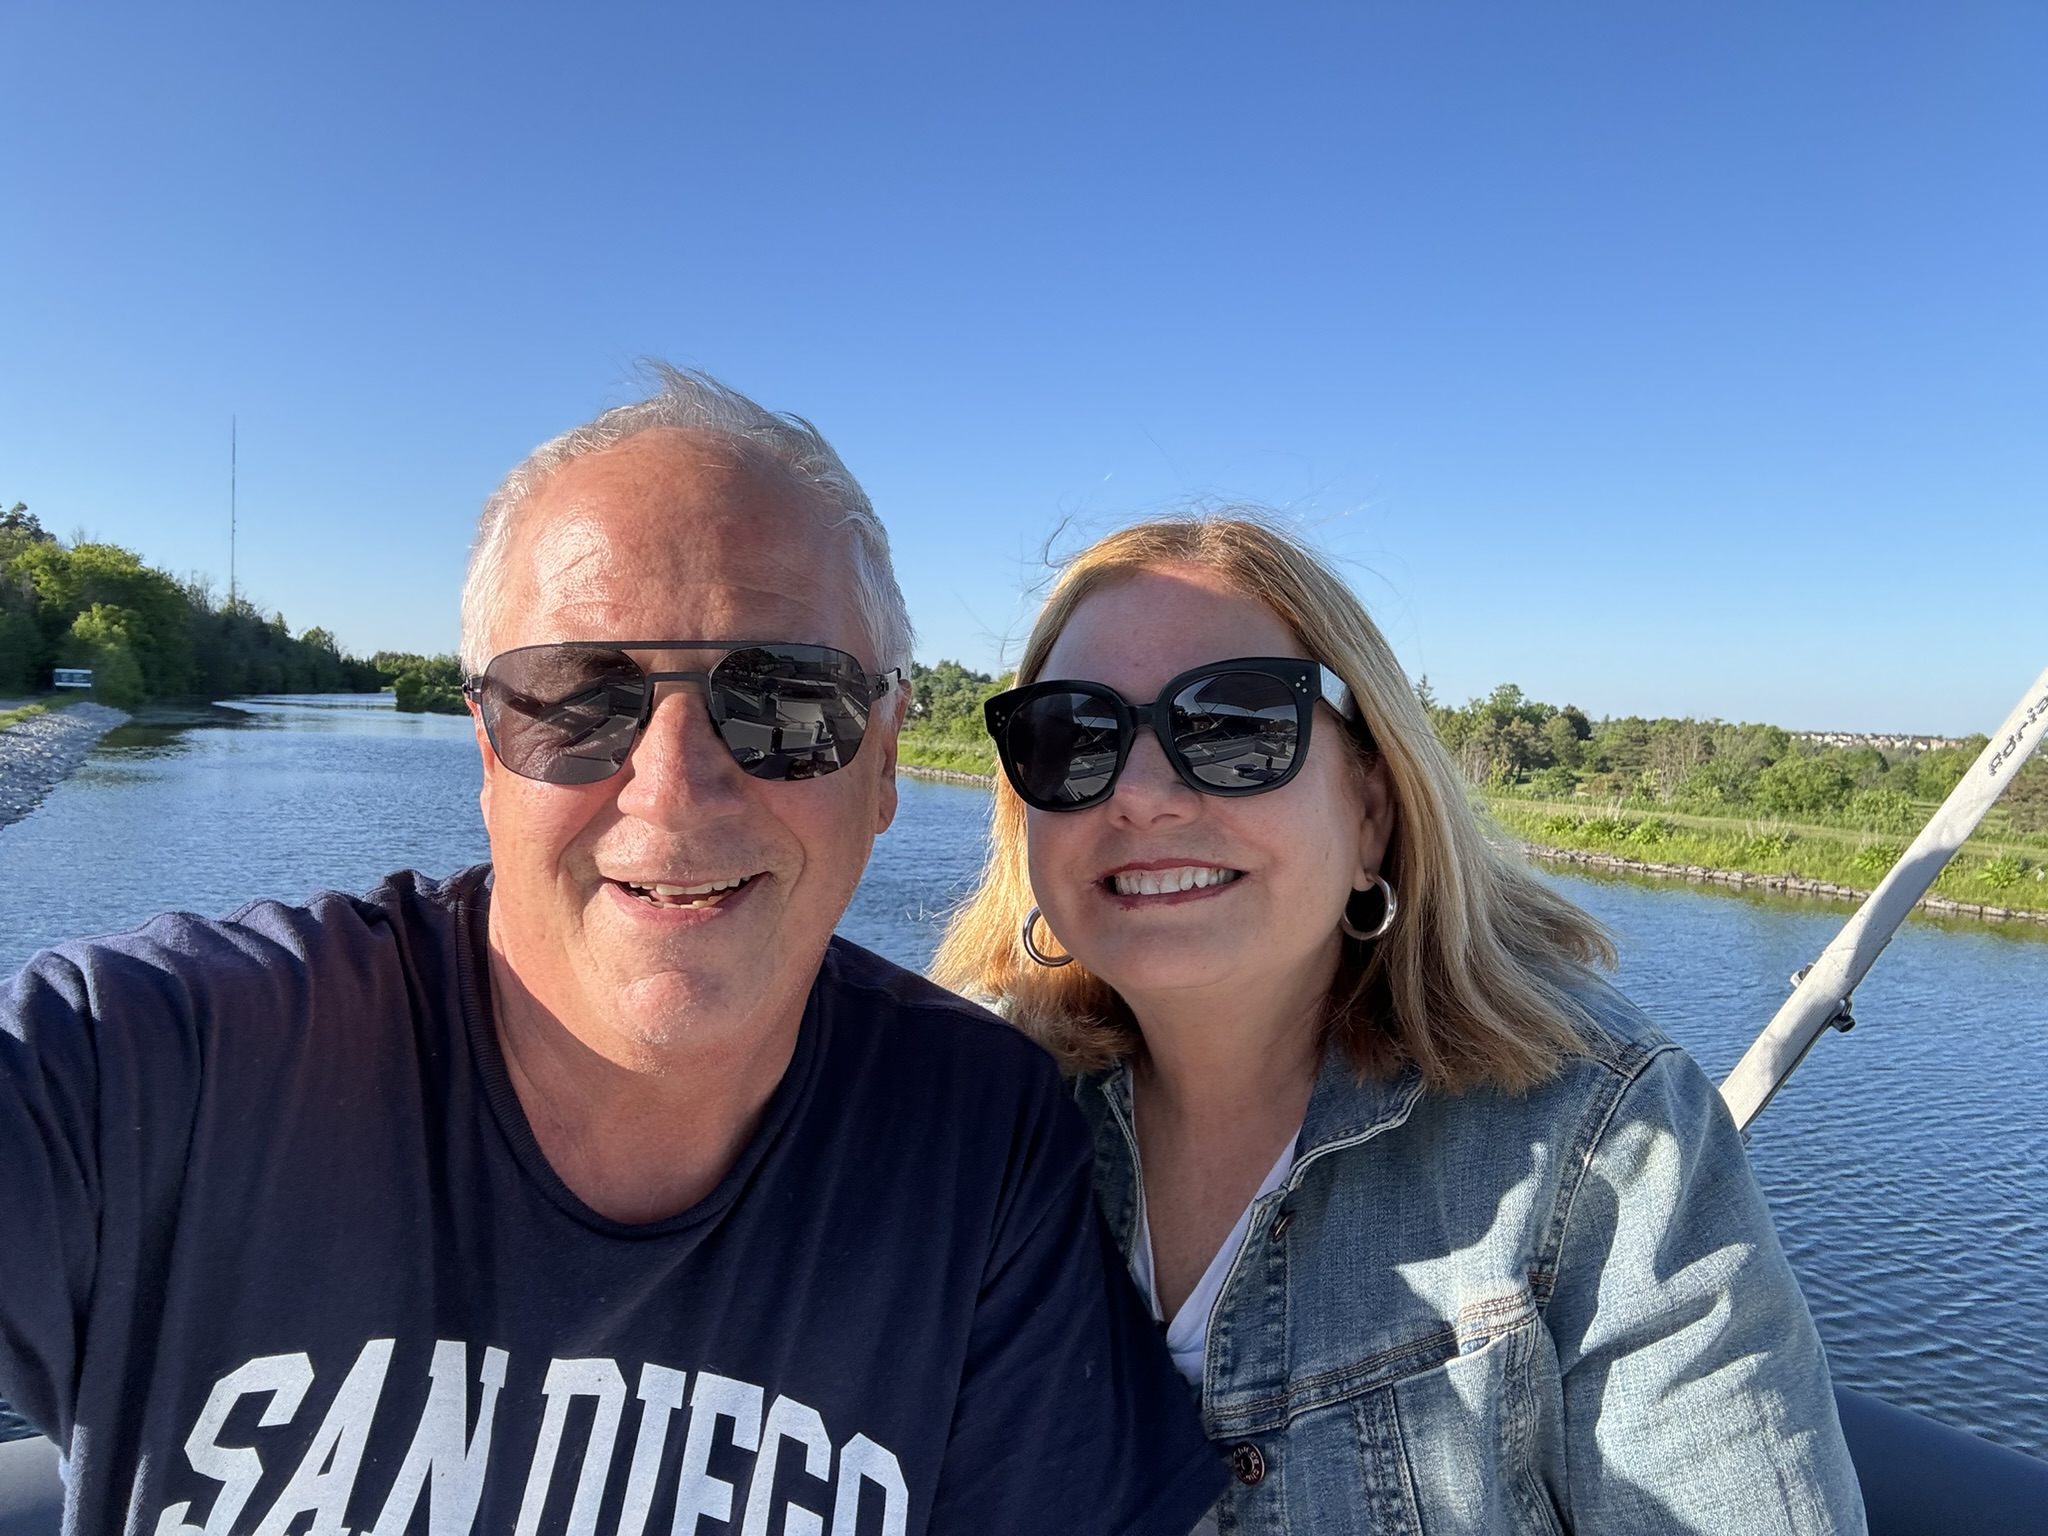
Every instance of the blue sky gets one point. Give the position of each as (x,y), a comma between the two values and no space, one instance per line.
(1674,359)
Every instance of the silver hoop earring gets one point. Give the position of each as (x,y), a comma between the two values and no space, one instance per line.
(1366,936)
(1031,945)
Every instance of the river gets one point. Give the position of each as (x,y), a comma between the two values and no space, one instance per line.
(1904,1164)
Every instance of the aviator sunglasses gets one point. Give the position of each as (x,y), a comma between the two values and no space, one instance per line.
(570,712)
(1229,728)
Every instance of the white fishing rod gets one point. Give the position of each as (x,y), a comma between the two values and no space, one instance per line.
(1822,995)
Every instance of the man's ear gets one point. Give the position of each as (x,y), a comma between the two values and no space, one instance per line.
(492,766)
(887,724)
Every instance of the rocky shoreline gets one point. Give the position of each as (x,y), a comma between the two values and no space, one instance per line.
(39,753)
(1793,885)
(947,775)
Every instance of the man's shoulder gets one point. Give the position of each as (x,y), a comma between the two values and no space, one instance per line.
(900,1010)
(265,944)
(407,902)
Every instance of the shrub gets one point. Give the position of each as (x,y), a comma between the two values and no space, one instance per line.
(1649,832)
(1883,810)
(1876,859)
(2003,872)
(1804,786)
(424,684)
(1715,784)
(1772,844)
(921,747)
(1563,825)
(2026,798)
(102,638)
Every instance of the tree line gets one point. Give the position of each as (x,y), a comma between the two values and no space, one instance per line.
(1507,742)
(146,635)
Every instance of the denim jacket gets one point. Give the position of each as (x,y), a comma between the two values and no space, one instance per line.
(1563,1311)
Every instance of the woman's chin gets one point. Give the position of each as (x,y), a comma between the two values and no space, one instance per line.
(1165,967)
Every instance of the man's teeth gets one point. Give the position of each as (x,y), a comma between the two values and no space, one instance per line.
(1164,882)
(706,895)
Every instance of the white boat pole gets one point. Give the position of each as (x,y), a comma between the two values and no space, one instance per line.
(1822,995)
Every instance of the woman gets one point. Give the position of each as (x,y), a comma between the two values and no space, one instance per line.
(1443,1232)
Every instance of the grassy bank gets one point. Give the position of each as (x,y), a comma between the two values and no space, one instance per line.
(922,747)
(2009,871)
(26,712)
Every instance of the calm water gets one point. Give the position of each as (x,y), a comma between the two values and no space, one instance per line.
(1904,1164)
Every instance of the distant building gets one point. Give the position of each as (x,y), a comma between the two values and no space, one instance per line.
(1882,743)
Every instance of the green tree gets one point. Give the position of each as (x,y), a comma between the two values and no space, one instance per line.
(71,580)
(180,640)
(103,638)
(21,637)
(422,684)
(1805,786)
(1937,772)
(947,699)
(2026,798)
(1718,783)
(1565,735)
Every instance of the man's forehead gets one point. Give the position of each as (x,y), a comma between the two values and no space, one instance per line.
(684,487)
(667,526)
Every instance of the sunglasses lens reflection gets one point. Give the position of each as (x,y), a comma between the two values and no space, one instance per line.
(790,711)
(561,714)
(1065,747)
(570,714)
(1237,731)
(1231,731)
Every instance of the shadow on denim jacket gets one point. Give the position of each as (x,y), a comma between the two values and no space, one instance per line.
(1563,1311)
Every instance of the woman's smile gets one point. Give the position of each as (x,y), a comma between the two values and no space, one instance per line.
(1162,882)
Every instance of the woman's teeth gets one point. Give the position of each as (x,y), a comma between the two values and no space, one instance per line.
(708,895)
(1165,882)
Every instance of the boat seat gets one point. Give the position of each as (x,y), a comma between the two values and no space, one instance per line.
(31,1497)
(1922,1478)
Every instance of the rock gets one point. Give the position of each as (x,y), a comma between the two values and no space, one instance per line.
(39,753)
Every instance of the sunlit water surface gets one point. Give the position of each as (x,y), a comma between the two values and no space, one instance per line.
(1904,1164)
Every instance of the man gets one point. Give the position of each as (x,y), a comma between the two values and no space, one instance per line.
(599,1189)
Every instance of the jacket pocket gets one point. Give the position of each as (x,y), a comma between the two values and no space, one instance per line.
(1336,1470)
(1476,1438)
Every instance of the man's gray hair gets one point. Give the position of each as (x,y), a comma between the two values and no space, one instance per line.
(692,401)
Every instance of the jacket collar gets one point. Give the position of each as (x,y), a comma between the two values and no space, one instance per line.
(1342,1111)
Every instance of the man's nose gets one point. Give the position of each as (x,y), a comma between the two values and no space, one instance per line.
(679,762)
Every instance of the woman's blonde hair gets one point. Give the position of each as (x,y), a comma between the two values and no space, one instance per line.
(1470,984)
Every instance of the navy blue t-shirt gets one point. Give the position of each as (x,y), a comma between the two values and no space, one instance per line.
(279,1253)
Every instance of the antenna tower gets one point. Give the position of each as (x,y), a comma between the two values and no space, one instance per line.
(231,514)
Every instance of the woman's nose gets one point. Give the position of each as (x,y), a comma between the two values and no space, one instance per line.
(1148,788)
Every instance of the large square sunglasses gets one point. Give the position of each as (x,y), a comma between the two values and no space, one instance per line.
(1236,727)
(570,712)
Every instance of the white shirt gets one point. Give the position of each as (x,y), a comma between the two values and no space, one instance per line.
(1187,1335)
